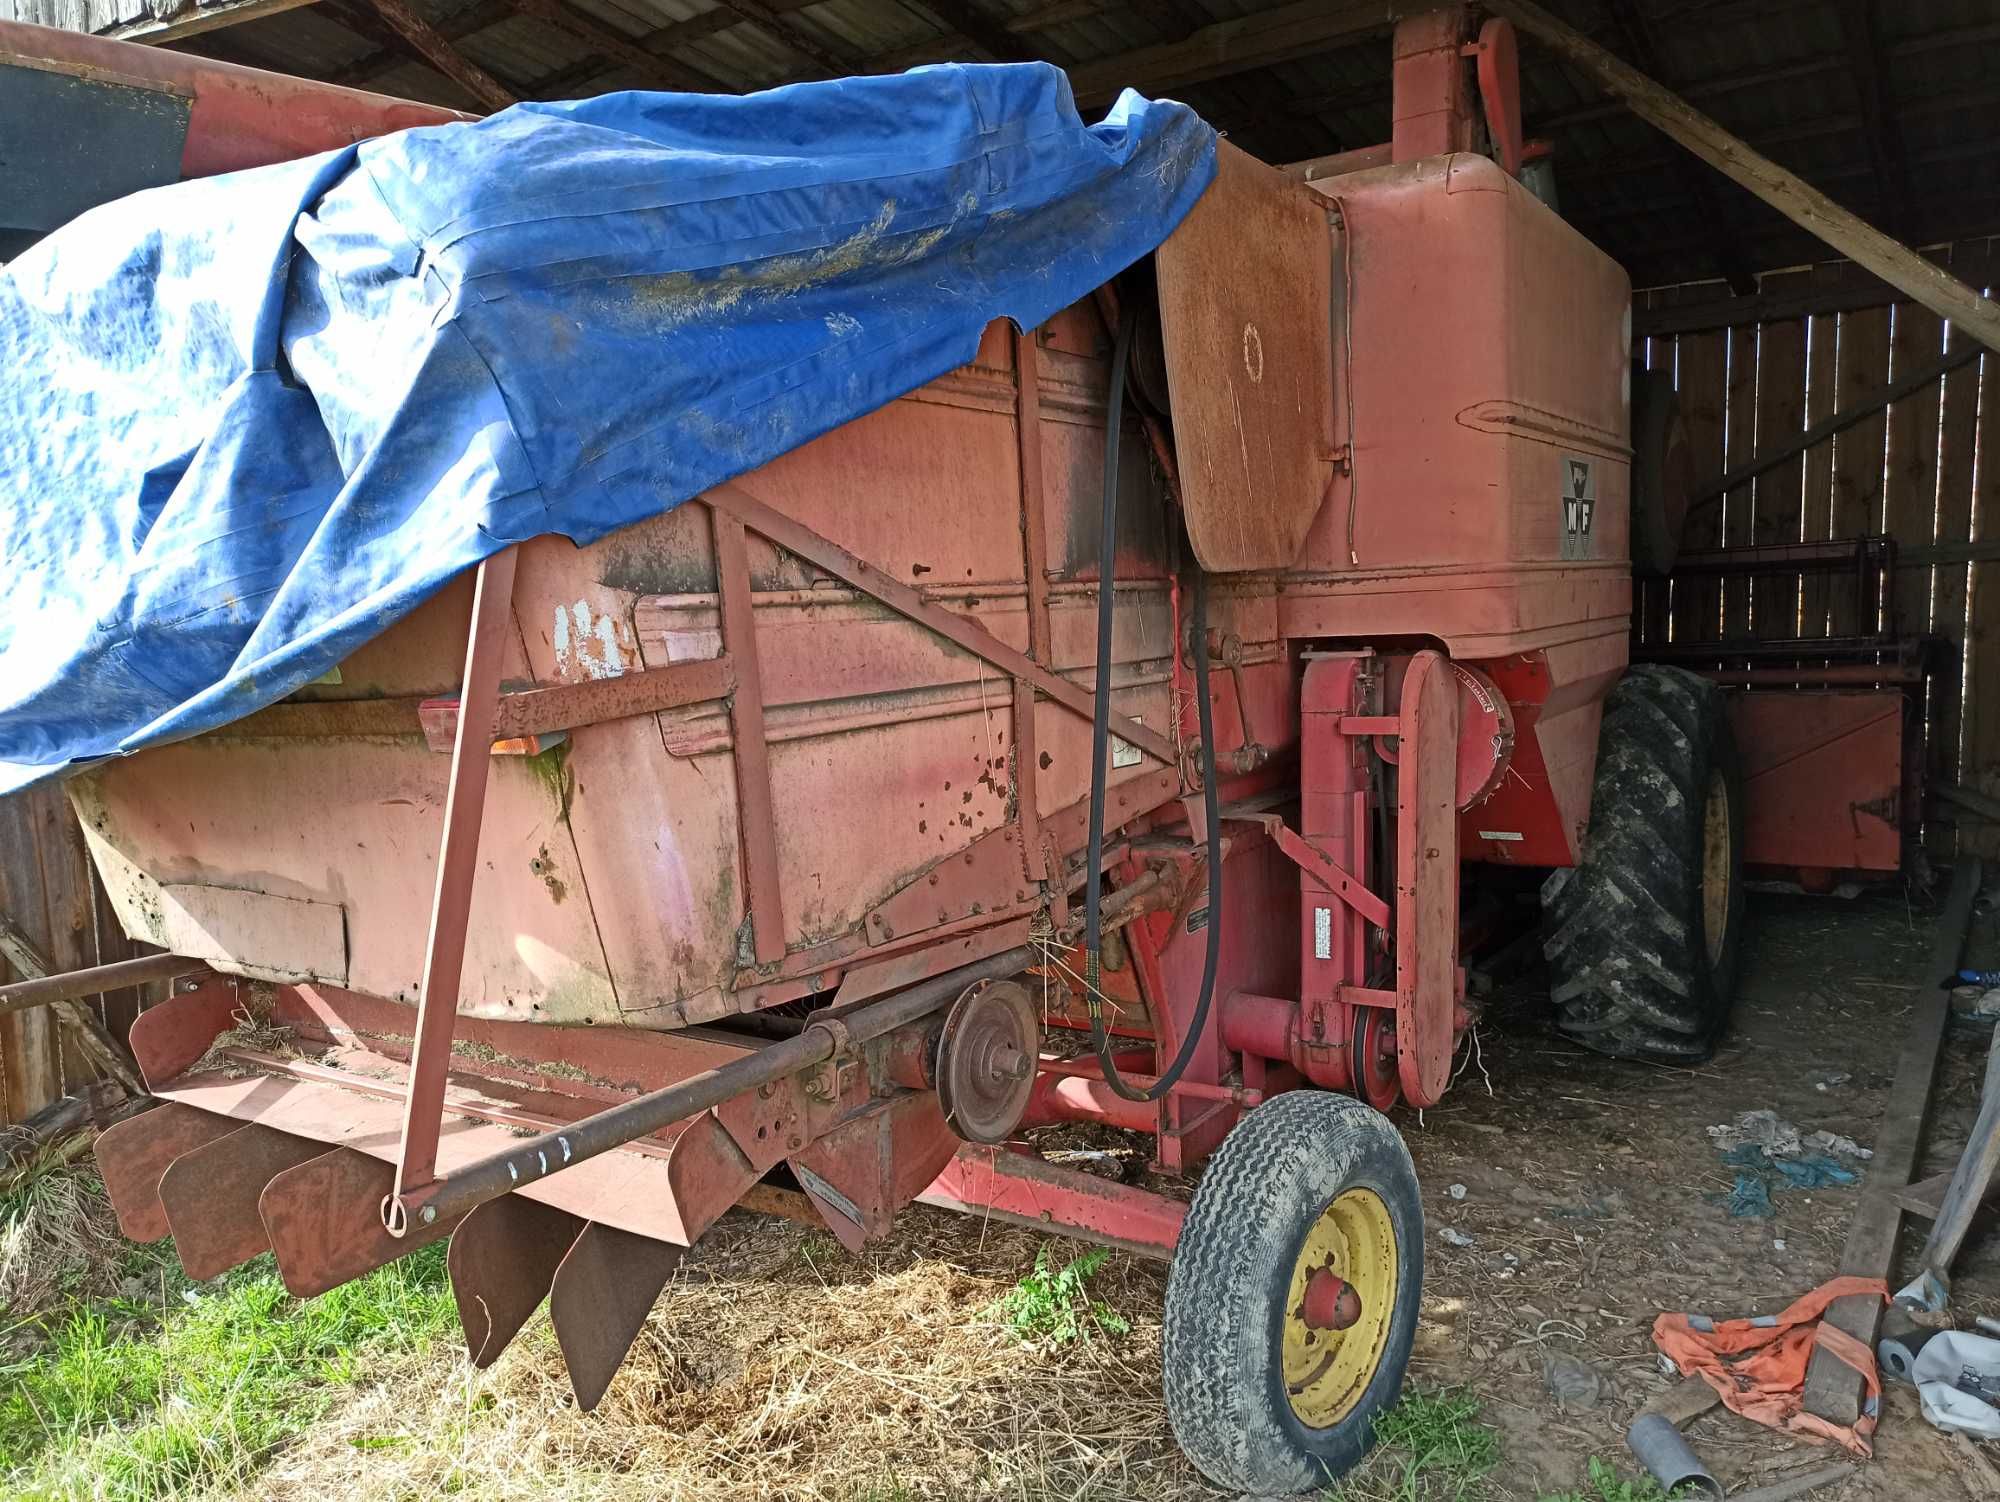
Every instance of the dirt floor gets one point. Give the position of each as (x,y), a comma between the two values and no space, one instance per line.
(777,1364)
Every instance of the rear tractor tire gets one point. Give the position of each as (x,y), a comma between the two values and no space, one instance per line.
(1292,1302)
(1642,936)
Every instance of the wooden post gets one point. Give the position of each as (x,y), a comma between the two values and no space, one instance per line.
(1833,1388)
(93,1041)
(1800,202)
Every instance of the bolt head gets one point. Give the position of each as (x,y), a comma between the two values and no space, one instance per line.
(428,1214)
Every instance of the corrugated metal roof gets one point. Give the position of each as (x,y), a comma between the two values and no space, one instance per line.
(1781,73)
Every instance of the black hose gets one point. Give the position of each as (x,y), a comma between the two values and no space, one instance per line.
(1100,744)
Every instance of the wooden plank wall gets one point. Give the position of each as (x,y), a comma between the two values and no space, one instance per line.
(1926,473)
(49,888)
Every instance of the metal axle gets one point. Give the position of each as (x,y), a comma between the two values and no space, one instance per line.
(822,1039)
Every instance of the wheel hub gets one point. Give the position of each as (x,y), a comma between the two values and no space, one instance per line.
(1343,1293)
(1331,1302)
(985,1066)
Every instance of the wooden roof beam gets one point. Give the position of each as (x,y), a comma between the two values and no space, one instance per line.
(775,20)
(971,24)
(439,52)
(1848,234)
(391,52)
(1885,142)
(1721,225)
(1287,33)
(666,72)
(194,20)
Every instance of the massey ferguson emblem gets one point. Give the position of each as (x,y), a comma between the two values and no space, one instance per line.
(1579,506)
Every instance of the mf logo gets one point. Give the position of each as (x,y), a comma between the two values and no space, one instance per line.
(1579,506)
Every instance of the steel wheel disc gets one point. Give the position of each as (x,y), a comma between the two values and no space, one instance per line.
(986,1056)
(1339,1309)
(1373,1057)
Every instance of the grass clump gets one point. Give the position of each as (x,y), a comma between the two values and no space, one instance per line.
(166,1387)
(1431,1447)
(1056,1305)
(1606,1485)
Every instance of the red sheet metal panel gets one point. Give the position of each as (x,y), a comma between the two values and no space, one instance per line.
(1822,775)
(1246,307)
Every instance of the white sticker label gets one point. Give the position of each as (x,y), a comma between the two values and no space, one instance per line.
(1501,834)
(1322,933)
(1578,489)
(1124,754)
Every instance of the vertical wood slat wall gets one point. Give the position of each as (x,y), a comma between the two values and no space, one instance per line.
(1926,473)
(50,890)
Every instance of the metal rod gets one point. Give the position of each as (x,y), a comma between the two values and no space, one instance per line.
(458,862)
(750,748)
(827,1034)
(40,991)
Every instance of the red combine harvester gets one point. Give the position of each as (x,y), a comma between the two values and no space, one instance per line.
(753,856)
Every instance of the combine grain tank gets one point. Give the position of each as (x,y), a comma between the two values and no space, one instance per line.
(750,854)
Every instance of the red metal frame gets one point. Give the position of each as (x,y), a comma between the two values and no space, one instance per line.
(241,117)
(458,858)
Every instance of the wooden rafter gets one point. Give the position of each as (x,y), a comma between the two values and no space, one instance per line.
(1805,205)
(1720,223)
(1885,142)
(667,41)
(1284,34)
(665,71)
(436,50)
(778,23)
(194,20)
(969,22)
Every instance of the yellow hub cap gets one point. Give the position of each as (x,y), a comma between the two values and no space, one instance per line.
(1337,1312)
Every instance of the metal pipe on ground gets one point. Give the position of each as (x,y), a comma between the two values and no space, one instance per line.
(826,1035)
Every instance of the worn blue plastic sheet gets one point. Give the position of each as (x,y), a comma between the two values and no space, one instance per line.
(246,423)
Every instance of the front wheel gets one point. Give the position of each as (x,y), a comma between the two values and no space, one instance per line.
(1292,1302)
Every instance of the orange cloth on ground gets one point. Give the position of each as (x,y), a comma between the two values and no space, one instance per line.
(1758,1366)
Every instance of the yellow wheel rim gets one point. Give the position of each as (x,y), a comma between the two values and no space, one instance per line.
(1339,1307)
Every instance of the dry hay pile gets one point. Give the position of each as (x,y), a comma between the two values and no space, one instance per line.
(778,1366)
(58,1237)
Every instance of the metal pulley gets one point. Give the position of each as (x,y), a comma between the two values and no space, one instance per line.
(985,1060)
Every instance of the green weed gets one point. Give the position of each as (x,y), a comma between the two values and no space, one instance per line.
(131,1400)
(1606,1485)
(1055,1305)
(1431,1447)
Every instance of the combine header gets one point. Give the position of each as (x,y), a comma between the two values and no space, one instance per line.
(1103,732)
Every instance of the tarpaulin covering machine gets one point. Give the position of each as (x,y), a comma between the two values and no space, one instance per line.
(750,851)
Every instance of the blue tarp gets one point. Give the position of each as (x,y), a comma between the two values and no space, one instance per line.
(248,422)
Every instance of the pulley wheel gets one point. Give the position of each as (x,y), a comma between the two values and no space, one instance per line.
(1376,1078)
(986,1055)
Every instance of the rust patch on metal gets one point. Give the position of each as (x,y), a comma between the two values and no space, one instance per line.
(503,1262)
(603,1291)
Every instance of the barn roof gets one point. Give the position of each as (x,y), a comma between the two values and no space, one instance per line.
(1887,107)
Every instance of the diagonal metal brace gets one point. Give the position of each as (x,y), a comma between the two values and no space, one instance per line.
(1317,863)
(901,598)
